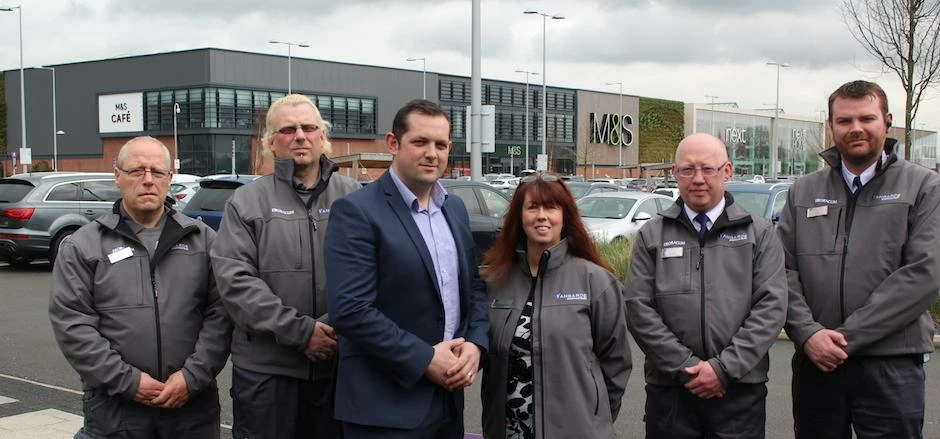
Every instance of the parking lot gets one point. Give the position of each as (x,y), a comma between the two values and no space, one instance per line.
(30,353)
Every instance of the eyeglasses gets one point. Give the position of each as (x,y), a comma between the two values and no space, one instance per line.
(157,174)
(544,177)
(708,171)
(307,128)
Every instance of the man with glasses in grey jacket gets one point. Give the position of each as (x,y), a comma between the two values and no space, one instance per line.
(135,310)
(706,299)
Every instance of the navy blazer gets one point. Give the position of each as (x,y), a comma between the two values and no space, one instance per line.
(385,304)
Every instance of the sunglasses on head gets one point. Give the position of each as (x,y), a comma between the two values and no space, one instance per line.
(544,177)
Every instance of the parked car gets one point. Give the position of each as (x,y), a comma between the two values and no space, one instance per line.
(39,210)
(614,216)
(765,200)
(208,203)
(505,183)
(640,184)
(580,189)
(750,178)
(485,206)
(182,187)
(671,192)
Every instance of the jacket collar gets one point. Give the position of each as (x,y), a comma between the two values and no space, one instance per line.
(733,215)
(551,258)
(832,157)
(284,170)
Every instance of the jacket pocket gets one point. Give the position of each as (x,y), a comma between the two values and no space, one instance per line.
(501,328)
(123,284)
(819,233)
(674,273)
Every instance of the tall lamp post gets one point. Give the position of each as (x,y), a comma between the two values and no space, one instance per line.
(527,129)
(55,128)
(545,17)
(176,143)
(424,75)
(22,81)
(713,97)
(288,44)
(776,122)
(619,134)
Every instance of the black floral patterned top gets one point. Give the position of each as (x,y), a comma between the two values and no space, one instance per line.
(520,411)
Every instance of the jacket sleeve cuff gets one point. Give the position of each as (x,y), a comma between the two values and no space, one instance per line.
(800,334)
(130,389)
(720,372)
(309,326)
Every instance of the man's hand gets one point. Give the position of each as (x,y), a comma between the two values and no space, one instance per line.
(444,359)
(461,375)
(826,349)
(322,343)
(175,392)
(147,389)
(705,383)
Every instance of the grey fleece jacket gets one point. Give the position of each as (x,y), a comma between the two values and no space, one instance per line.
(722,299)
(118,312)
(268,262)
(865,266)
(581,352)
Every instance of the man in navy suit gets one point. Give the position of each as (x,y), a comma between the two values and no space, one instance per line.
(404,294)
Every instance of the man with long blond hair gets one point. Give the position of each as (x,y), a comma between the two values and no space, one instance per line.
(269,267)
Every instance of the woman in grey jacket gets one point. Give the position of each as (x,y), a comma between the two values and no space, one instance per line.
(559,356)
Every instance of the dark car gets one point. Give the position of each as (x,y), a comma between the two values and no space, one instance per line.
(485,205)
(39,210)
(208,203)
(581,188)
(765,200)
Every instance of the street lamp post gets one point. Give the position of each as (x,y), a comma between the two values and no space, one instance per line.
(22,81)
(776,122)
(289,44)
(527,129)
(545,17)
(176,143)
(712,130)
(619,134)
(424,76)
(55,128)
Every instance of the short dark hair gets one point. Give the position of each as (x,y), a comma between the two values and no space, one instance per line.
(420,106)
(857,90)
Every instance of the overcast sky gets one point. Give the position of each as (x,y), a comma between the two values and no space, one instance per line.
(672,49)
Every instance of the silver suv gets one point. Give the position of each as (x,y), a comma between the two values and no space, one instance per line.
(39,210)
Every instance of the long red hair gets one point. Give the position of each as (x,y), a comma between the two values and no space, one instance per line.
(501,257)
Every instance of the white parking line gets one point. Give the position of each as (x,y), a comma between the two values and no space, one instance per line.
(5,400)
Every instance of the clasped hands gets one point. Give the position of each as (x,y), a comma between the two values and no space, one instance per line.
(174,393)
(455,364)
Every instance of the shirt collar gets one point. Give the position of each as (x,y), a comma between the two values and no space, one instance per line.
(712,214)
(438,194)
(866,175)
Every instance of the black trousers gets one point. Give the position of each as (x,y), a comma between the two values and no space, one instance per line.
(672,412)
(115,417)
(881,397)
(280,407)
(442,422)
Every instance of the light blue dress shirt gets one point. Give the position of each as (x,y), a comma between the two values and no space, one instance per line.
(440,243)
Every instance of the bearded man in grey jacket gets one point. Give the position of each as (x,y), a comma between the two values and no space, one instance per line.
(135,310)
(706,298)
(861,239)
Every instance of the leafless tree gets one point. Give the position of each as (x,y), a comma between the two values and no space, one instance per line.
(904,35)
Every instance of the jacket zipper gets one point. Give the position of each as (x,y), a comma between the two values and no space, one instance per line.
(698,266)
(156,318)
(849,216)
(313,264)
(537,309)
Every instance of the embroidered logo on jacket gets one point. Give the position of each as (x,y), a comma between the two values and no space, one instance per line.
(183,247)
(674,244)
(732,238)
(562,296)
(282,211)
(887,197)
(323,211)
(826,201)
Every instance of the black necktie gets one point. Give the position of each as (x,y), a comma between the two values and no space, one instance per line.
(856,184)
(702,220)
